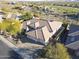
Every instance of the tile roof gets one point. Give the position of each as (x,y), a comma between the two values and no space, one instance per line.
(46,34)
(45,29)
(51,25)
(29,22)
(55,25)
(74,45)
(40,34)
(41,23)
(24,25)
(73,37)
(46,23)
(73,34)
(32,34)
(32,21)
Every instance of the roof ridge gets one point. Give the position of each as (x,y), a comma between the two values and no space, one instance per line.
(36,34)
(49,26)
(42,34)
(44,31)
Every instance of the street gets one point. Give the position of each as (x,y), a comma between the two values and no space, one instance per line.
(7,53)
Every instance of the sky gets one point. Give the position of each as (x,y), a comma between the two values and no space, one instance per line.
(46,0)
(32,0)
(38,0)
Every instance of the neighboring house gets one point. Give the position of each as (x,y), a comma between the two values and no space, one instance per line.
(12,3)
(14,16)
(1,16)
(72,41)
(41,30)
(26,8)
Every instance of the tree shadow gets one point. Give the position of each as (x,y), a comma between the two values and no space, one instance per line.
(14,55)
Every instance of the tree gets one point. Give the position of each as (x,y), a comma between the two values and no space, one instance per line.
(11,26)
(57,51)
(3,25)
(14,27)
(26,16)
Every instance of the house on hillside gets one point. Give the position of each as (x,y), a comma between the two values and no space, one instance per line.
(72,41)
(14,16)
(1,16)
(41,35)
(26,8)
(42,30)
(12,2)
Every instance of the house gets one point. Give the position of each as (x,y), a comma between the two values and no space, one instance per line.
(72,41)
(14,16)
(12,3)
(39,35)
(41,30)
(1,16)
(26,8)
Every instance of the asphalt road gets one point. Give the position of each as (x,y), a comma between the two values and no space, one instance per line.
(7,53)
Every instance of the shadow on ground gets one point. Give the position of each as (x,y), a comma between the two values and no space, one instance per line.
(14,55)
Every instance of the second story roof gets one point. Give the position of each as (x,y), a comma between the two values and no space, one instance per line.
(42,29)
(41,34)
